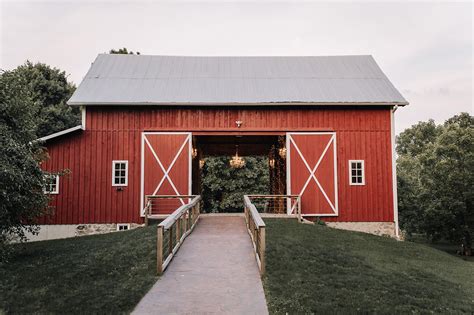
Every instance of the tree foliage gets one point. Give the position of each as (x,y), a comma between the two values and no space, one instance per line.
(224,186)
(21,179)
(435,179)
(122,51)
(50,91)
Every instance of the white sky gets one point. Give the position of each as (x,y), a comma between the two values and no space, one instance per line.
(425,48)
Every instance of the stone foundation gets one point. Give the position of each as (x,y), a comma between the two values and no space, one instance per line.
(377,228)
(57,231)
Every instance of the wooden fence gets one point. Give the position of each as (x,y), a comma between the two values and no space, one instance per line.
(173,230)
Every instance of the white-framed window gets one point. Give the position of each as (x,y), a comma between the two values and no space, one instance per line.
(119,173)
(123,227)
(356,172)
(52,184)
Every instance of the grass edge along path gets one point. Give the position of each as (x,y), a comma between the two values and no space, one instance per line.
(106,273)
(316,269)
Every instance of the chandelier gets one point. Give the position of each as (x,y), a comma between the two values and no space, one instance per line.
(237,161)
(282,152)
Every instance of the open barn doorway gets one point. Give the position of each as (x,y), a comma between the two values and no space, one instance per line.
(227,167)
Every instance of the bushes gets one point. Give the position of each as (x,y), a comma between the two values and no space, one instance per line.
(223,187)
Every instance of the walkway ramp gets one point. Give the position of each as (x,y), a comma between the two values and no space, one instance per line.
(214,272)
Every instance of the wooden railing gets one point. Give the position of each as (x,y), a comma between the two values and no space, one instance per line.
(160,206)
(173,230)
(256,229)
(277,204)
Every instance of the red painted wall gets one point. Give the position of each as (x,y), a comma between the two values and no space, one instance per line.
(114,133)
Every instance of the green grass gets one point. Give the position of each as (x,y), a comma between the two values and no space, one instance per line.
(316,269)
(90,274)
(442,245)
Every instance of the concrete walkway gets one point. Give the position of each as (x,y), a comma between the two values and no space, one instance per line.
(214,272)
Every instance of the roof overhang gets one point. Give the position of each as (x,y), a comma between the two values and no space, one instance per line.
(60,133)
(238,104)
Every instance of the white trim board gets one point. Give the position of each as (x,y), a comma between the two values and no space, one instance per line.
(394,172)
(60,133)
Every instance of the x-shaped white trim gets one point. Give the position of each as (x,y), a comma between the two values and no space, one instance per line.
(166,171)
(313,171)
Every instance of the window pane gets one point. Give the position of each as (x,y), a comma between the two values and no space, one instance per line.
(359,180)
(354,172)
(359,172)
(122,173)
(353,165)
(117,180)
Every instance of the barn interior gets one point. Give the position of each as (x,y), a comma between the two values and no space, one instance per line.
(236,148)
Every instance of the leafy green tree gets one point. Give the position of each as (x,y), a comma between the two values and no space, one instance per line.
(122,51)
(50,91)
(435,180)
(413,141)
(224,186)
(22,199)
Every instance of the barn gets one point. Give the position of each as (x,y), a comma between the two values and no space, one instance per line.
(148,123)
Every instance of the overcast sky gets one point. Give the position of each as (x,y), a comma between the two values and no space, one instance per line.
(425,48)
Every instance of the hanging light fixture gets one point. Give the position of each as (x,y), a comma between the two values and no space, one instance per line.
(282,152)
(201,163)
(194,153)
(271,162)
(282,149)
(237,161)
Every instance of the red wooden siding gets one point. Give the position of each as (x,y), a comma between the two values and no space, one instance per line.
(114,133)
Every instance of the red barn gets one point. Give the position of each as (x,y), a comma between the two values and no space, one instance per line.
(149,120)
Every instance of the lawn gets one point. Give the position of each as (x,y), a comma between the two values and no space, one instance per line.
(90,274)
(316,269)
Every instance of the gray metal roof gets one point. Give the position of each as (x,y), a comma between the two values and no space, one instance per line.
(172,80)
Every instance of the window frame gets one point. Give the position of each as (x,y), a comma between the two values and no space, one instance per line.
(362,168)
(56,191)
(125,225)
(114,162)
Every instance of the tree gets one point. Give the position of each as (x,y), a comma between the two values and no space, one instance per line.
(224,186)
(413,141)
(435,180)
(50,91)
(122,51)
(22,199)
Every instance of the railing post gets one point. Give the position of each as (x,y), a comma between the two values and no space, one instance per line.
(299,207)
(178,230)
(185,222)
(147,209)
(262,250)
(159,250)
(171,239)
